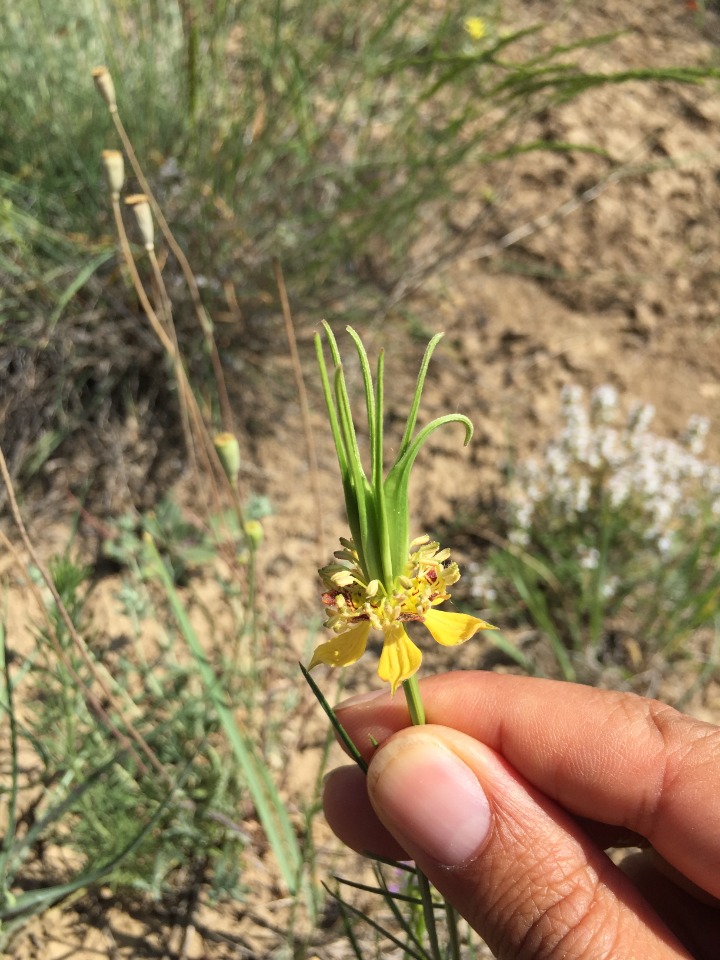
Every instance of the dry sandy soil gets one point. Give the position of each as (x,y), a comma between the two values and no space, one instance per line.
(619,287)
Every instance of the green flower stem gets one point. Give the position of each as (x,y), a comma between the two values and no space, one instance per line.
(414,701)
(417,715)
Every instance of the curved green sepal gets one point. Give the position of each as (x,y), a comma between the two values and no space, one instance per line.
(412,416)
(396,488)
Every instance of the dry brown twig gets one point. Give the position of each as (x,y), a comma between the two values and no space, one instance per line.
(302,395)
(126,740)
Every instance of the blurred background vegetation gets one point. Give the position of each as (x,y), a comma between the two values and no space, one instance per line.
(328,136)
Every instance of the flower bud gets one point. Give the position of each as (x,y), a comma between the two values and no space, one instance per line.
(254,532)
(141,209)
(115,170)
(228,450)
(105,86)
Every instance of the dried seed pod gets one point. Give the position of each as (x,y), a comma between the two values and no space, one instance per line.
(115,170)
(106,87)
(143,215)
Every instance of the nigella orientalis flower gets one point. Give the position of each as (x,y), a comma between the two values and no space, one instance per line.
(381,581)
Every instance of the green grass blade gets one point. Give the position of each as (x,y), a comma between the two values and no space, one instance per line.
(407,951)
(270,808)
(77,283)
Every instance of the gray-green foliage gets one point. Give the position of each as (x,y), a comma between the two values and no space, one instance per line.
(88,794)
(614,532)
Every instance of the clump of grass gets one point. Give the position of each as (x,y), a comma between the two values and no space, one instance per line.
(613,537)
(303,131)
(132,762)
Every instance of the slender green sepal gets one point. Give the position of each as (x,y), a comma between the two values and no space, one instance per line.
(330,404)
(398,481)
(367,383)
(412,416)
(356,487)
(378,481)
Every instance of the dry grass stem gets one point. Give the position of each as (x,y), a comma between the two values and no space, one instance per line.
(102,79)
(94,704)
(304,405)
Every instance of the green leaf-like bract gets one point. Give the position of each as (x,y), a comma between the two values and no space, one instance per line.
(377,509)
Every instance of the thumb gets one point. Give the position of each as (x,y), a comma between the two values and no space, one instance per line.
(512,862)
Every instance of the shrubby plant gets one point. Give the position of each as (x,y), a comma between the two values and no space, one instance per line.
(613,533)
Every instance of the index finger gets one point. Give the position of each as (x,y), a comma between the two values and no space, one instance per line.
(613,757)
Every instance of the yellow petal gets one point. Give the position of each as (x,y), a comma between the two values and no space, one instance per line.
(449,629)
(400,658)
(343,649)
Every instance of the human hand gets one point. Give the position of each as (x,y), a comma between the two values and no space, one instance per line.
(507,799)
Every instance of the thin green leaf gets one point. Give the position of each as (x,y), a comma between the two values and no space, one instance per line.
(376,926)
(382,891)
(76,284)
(342,733)
(404,923)
(9,706)
(509,648)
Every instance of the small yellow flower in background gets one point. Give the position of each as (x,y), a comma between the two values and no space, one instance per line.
(475,27)
(355,607)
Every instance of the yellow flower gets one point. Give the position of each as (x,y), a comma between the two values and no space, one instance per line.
(355,608)
(475,27)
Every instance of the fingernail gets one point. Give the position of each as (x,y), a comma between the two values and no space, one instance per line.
(431,798)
